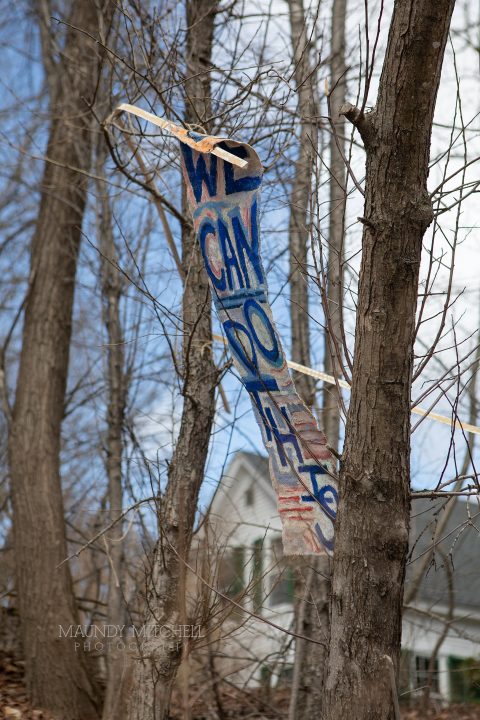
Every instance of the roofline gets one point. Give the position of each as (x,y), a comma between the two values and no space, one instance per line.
(460,613)
(242,458)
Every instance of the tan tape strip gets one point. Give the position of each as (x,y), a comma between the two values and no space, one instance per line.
(466,427)
(205,145)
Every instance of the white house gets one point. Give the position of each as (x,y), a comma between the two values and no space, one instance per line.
(444,617)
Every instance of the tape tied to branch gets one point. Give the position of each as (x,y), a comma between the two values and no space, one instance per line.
(223,179)
(204,144)
(318,375)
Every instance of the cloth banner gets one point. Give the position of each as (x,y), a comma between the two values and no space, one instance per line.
(224,202)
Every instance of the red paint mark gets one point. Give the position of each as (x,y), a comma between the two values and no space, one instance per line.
(297,509)
(318,453)
(314,541)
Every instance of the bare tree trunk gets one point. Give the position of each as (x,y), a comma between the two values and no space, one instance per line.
(311,620)
(373,519)
(155,672)
(311,574)
(299,224)
(57,676)
(117,396)
(313,598)
(338,196)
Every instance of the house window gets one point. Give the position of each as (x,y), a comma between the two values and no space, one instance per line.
(231,575)
(423,676)
(276,675)
(282,586)
(285,676)
(464,679)
(266,675)
(405,674)
(257,575)
(249,496)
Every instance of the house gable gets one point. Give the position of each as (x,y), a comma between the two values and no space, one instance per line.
(244,506)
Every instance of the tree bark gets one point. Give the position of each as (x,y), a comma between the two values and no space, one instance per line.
(299,223)
(311,574)
(57,676)
(313,596)
(111,282)
(373,519)
(165,602)
(336,233)
(312,588)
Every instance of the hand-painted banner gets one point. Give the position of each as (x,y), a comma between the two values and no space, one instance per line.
(224,201)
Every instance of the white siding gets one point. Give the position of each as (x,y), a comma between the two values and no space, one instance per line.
(236,523)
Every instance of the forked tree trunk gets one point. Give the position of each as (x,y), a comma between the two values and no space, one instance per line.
(57,676)
(165,602)
(373,519)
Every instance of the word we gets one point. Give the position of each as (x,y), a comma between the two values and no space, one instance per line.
(224,201)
